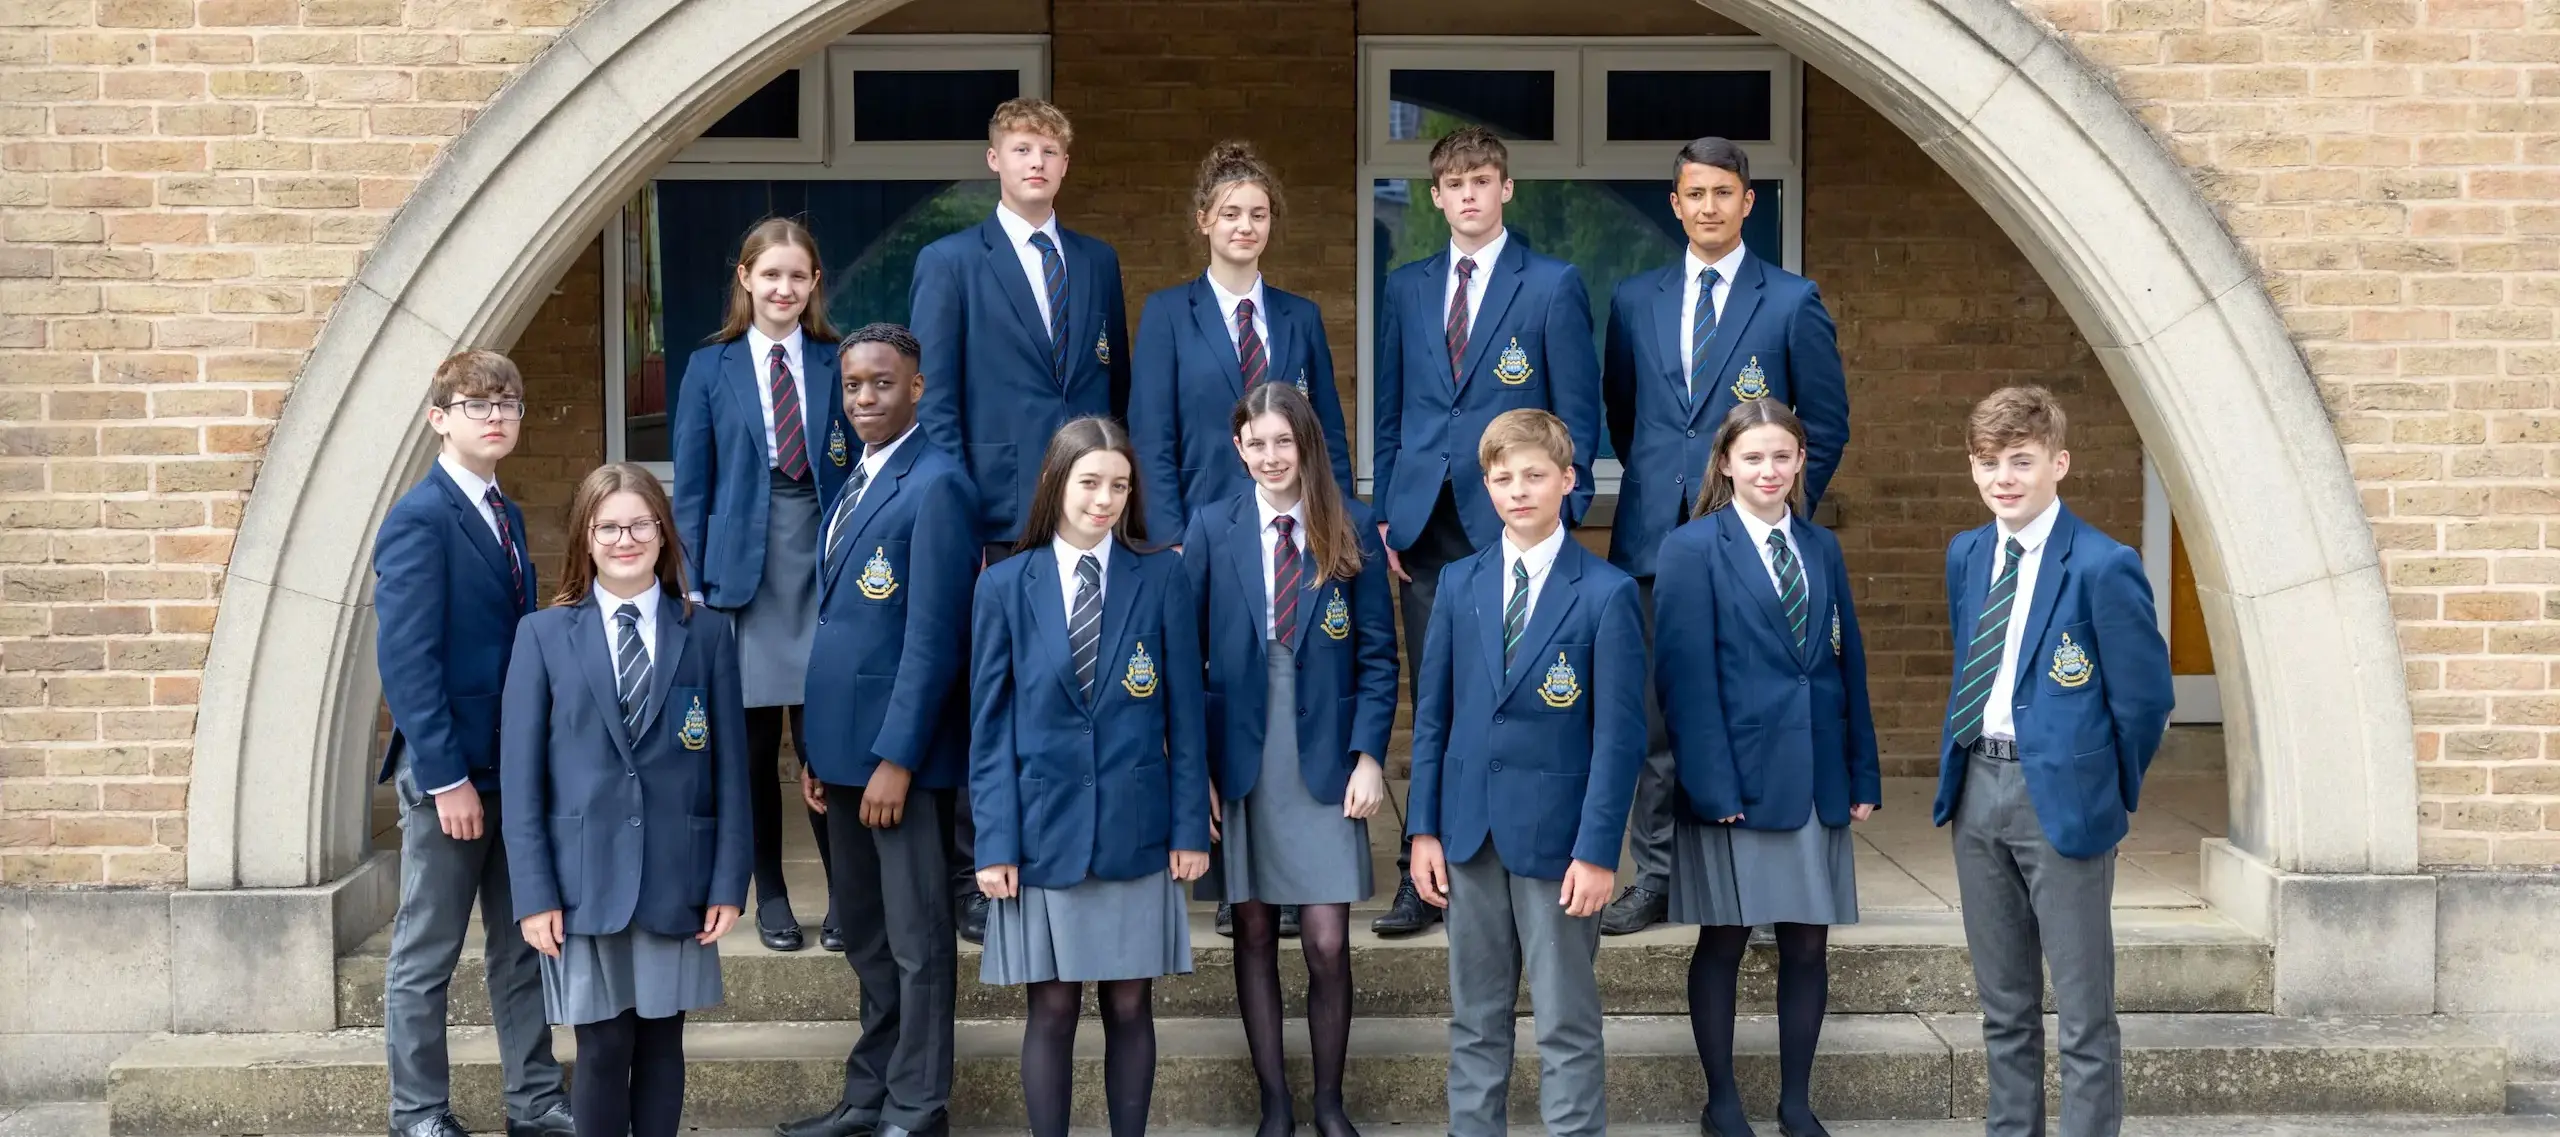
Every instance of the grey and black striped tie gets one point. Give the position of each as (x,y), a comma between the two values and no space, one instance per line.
(1790,584)
(1982,656)
(630,667)
(1084,622)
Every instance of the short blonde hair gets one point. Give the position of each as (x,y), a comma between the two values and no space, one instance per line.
(1031,116)
(1526,428)
(2013,416)
(475,374)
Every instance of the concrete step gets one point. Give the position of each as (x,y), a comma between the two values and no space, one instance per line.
(1900,1067)
(2167,961)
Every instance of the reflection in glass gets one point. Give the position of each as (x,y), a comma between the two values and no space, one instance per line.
(928,106)
(1676,106)
(1425,104)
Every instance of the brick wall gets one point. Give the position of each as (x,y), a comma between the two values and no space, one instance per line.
(562,356)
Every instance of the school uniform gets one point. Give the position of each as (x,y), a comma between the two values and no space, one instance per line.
(1301,677)
(1086,760)
(1761,675)
(1200,348)
(2061,694)
(451,579)
(1523,762)
(886,685)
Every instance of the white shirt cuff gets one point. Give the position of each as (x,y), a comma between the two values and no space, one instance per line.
(455,786)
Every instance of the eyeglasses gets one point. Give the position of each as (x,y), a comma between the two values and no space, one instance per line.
(609,533)
(479,410)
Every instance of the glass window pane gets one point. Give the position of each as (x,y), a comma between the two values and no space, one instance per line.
(928,106)
(1426,104)
(772,112)
(1676,106)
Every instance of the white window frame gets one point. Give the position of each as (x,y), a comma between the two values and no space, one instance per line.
(1581,149)
(826,78)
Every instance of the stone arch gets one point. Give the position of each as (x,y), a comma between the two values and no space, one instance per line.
(2322,757)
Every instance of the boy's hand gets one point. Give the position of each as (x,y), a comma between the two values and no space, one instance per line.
(998,883)
(459,814)
(1367,791)
(884,797)
(1430,872)
(1395,564)
(542,930)
(716,923)
(1586,889)
(1862,811)
(812,794)
(1187,865)
(1217,817)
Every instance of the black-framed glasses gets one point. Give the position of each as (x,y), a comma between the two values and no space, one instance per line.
(611,533)
(479,410)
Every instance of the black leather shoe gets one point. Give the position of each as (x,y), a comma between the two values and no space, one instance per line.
(776,928)
(837,1122)
(1288,921)
(1407,915)
(1227,920)
(941,1127)
(1805,1126)
(973,918)
(1634,910)
(554,1122)
(441,1125)
(829,938)
(1733,1125)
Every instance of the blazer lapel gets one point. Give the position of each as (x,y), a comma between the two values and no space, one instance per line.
(1490,592)
(741,380)
(1205,314)
(1739,304)
(466,513)
(595,661)
(875,497)
(1119,599)
(1244,557)
(2057,556)
(1555,601)
(1310,598)
(1742,561)
(1280,315)
(1668,321)
(662,663)
(1087,295)
(818,400)
(1005,264)
(1498,291)
(1049,621)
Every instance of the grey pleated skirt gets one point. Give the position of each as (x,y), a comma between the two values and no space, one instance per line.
(599,977)
(1728,875)
(1095,932)
(775,628)
(1279,845)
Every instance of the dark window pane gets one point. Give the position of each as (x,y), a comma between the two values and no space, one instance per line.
(928,106)
(772,112)
(1676,106)
(1426,104)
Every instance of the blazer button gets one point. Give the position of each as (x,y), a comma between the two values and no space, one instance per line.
(1692,434)
(1302,712)
(631,773)
(1088,730)
(1801,680)
(1088,779)
(635,823)
(1497,767)
(1453,412)
(1497,719)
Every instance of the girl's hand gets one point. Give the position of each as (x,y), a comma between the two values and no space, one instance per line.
(1862,811)
(542,930)
(1367,791)
(1216,814)
(716,923)
(999,883)
(1395,564)
(812,794)
(1189,866)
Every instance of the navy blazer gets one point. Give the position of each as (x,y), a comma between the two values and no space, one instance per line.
(1346,652)
(724,480)
(991,396)
(1758,726)
(1069,790)
(1542,760)
(446,607)
(1184,386)
(885,665)
(614,832)
(1775,341)
(1427,426)
(2089,711)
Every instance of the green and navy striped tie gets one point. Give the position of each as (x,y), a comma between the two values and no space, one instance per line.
(1515,613)
(1982,657)
(1790,584)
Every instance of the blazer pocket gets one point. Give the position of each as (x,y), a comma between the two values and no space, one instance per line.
(1559,813)
(2095,770)
(703,851)
(1750,744)
(1150,798)
(569,857)
(1040,816)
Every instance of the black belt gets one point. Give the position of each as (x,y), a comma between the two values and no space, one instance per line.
(1996,749)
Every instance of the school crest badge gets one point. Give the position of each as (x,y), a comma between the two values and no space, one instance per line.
(1337,616)
(836,451)
(1753,383)
(1835,633)
(1140,681)
(1102,349)
(696,732)
(1513,367)
(1562,687)
(1301,381)
(877,580)
(2072,666)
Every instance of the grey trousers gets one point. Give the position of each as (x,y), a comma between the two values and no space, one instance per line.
(2023,900)
(1499,921)
(893,899)
(440,878)
(1649,821)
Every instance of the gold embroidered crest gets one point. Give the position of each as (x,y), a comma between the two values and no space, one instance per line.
(1562,687)
(1835,633)
(1753,384)
(836,451)
(1102,349)
(1337,616)
(1301,381)
(2072,666)
(877,580)
(696,732)
(1140,681)
(1513,367)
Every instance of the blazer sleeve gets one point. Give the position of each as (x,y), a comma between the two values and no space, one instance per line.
(2138,689)
(696,455)
(1821,390)
(1686,684)
(734,860)
(1155,418)
(409,601)
(941,322)
(1373,671)
(1386,400)
(1618,376)
(1116,325)
(1573,384)
(1431,711)
(1866,774)
(1328,401)
(524,776)
(1617,728)
(994,798)
(942,560)
(1187,739)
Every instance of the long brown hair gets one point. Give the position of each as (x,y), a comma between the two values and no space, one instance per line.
(767,235)
(578,569)
(1755,413)
(1079,437)
(1330,539)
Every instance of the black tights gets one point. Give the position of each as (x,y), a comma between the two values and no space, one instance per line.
(1324,934)
(630,1079)
(1804,990)
(1128,1054)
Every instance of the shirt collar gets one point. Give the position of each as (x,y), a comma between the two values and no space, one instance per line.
(610,603)
(1485,257)
(1227,301)
(872,460)
(1539,557)
(1760,530)
(1297,514)
(1726,267)
(1068,555)
(473,485)
(2033,536)
(760,345)
(1019,231)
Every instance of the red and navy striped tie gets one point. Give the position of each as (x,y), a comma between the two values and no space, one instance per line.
(790,442)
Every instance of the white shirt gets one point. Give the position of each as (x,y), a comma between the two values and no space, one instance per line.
(1269,539)
(1540,558)
(1759,531)
(1227,302)
(873,457)
(1019,232)
(760,348)
(1067,556)
(1999,716)
(1484,258)
(1731,264)
(608,604)
(477,489)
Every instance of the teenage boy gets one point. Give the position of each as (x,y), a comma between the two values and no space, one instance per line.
(889,738)
(1482,328)
(1528,729)
(1686,344)
(1023,327)
(2061,693)
(451,578)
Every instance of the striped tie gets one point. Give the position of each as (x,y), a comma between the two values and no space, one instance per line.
(1084,623)
(846,503)
(1982,656)
(790,441)
(1286,572)
(1458,317)
(1249,350)
(630,667)
(1515,613)
(1053,278)
(1702,331)
(507,540)
(1790,584)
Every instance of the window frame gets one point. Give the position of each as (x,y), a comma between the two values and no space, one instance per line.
(809,146)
